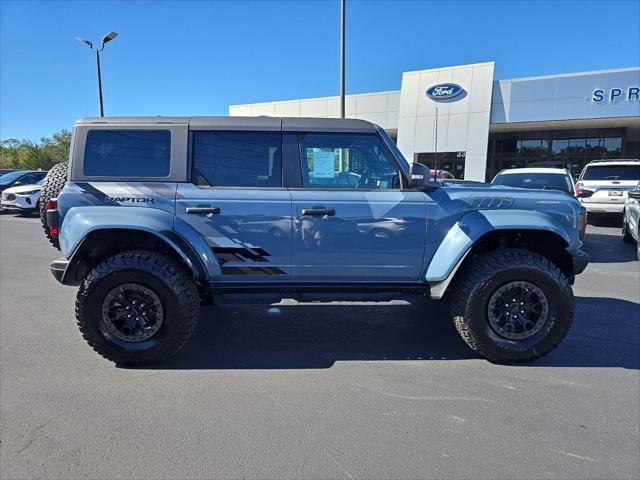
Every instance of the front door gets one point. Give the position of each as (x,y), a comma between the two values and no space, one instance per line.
(236,201)
(352,222)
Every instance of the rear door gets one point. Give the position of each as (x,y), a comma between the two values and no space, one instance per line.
(352,221)
(237,202)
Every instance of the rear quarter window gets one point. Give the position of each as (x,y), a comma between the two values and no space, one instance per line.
(237,159)
(127,153)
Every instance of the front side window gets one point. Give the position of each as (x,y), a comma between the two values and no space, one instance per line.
(31,178)
(127,153)
(237,159)
(346,162)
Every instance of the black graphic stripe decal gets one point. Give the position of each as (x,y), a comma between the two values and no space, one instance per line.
(226,255)
(252,271)
(90,190)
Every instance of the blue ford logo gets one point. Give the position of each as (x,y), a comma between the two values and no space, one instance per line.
(444,91)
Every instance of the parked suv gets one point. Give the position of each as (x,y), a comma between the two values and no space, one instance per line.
(631,218)
(603,185)
(559,179)
(24,198)
(157,215)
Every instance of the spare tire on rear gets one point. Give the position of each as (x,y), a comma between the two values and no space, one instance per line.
(51,187)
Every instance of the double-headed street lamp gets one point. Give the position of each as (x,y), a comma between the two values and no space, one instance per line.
(106,39)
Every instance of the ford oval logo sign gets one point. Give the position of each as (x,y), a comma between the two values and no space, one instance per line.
(444,91)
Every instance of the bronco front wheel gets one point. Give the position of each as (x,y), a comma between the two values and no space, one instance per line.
(512,305)
(137,306)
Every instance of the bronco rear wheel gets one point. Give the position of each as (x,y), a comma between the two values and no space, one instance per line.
(137,306)
(511,305)
(51,187)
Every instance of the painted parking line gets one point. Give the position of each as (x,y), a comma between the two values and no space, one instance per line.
(613,272)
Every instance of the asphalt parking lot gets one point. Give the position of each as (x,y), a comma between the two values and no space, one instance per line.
(316,391)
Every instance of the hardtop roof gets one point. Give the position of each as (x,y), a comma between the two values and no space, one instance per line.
(243,123)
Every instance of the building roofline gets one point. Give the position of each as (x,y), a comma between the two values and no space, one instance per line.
(411,72)
(574,74)
(309,99)
(451,67)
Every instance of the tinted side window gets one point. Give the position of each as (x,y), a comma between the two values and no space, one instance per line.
(127,153)
(237,159)
(346,162)
(31,178)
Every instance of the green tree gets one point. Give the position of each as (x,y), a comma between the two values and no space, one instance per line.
(27,155)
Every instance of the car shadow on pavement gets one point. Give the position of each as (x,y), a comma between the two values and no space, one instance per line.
(605,334)
(613,221)
(608,249)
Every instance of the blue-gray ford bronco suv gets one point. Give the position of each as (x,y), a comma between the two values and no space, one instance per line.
(156,215)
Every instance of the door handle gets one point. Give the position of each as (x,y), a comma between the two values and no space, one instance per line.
(318,212)
(214,210)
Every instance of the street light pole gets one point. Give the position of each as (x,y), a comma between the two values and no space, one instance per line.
(106,39)
(99,83)
(342,56)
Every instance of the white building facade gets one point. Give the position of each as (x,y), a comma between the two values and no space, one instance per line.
(461,120)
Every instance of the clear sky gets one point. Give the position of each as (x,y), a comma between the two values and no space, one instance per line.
(196,58)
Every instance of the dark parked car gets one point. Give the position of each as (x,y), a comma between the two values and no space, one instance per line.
(21,177)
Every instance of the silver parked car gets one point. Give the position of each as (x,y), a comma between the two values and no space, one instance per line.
(631,218)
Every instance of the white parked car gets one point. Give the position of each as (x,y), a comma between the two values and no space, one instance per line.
(631,218)
(24,198)
(557,179)
(603,185)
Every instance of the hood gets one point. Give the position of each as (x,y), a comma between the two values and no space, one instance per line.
(23,188)
(525,198)
(562,206)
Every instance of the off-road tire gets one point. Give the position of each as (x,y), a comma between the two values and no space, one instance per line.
(626,235)
(166,278)
(51,187)
(479,279)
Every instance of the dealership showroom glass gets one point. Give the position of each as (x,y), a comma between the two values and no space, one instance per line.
(461,120)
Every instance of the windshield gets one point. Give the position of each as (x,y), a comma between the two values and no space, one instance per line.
(7,178)
(612,172)
(394,149)
(540,181)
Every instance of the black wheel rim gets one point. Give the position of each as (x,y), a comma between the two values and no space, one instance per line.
(132,312)
(518,310)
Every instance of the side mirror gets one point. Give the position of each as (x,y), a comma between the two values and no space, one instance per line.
(418,176)
(635,194)
(585,193)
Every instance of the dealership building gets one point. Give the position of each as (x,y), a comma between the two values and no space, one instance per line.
(461,120)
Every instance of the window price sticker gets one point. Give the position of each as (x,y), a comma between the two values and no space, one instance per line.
(323,164)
